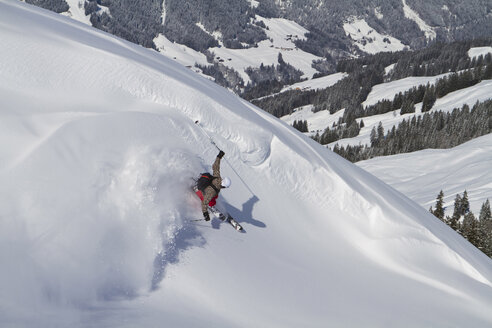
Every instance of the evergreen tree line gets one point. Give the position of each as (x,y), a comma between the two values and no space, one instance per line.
(438,58)
(477,231)
(58,6)
(234,19)
(428,94)
(284,103)
(367,71)
(300,125)
(339,131)
(431,130)
(223,75)
(266,79)
(138,21)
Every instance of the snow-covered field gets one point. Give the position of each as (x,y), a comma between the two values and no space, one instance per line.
(421,175)
(317,122)
(98,145)
(320,120)
(479,51)
(457,99)
(368,39)
(281,36)
(77,11)
(317,83)
(389,90)
(281,33)
(180,53)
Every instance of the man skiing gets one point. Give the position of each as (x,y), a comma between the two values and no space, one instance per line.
(209,186)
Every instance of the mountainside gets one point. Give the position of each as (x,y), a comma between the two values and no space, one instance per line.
(334,29)
(98,148)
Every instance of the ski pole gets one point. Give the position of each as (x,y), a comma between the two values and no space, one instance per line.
(208,136)
(213,143)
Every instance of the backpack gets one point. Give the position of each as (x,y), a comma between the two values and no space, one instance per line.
(204,181)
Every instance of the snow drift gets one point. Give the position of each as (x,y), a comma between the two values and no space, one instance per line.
(98,146)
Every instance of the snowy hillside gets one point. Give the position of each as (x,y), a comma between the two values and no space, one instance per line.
(368,39)
(421,175)
(281,36)
(318,121)
(98,146)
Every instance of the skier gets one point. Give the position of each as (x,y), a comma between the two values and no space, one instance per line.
(208,186)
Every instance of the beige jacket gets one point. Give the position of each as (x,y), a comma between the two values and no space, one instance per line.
(209,192)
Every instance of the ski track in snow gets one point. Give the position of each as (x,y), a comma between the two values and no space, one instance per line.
(99,147)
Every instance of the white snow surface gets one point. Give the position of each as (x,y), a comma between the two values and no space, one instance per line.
(479,51)
(389,90)
(368,39)
(182,54)
(317,83)
(98,145)
(77,11)
(469,96)
(317,122)
(421,175)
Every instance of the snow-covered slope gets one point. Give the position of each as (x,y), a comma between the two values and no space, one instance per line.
(281,36)
(368,39)
(317,83)
(421,175)
(98,144)
(389,90)
(77,11)
(318,121)
(479,51)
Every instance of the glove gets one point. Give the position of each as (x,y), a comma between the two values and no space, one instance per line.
(206,216)
(221,154)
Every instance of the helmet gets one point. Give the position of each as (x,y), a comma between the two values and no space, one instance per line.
(226,182)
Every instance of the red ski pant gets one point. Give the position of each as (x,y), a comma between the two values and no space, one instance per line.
(211,203)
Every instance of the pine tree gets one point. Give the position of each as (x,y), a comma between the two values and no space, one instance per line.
(485,222)
(439,212)
(374,137)
(469,229)
(380,136)
(454,221)
(465,204)
(407,107)
(429,99)
(485,212)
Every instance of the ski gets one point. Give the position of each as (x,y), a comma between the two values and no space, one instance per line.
(226,218)
(231,221)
